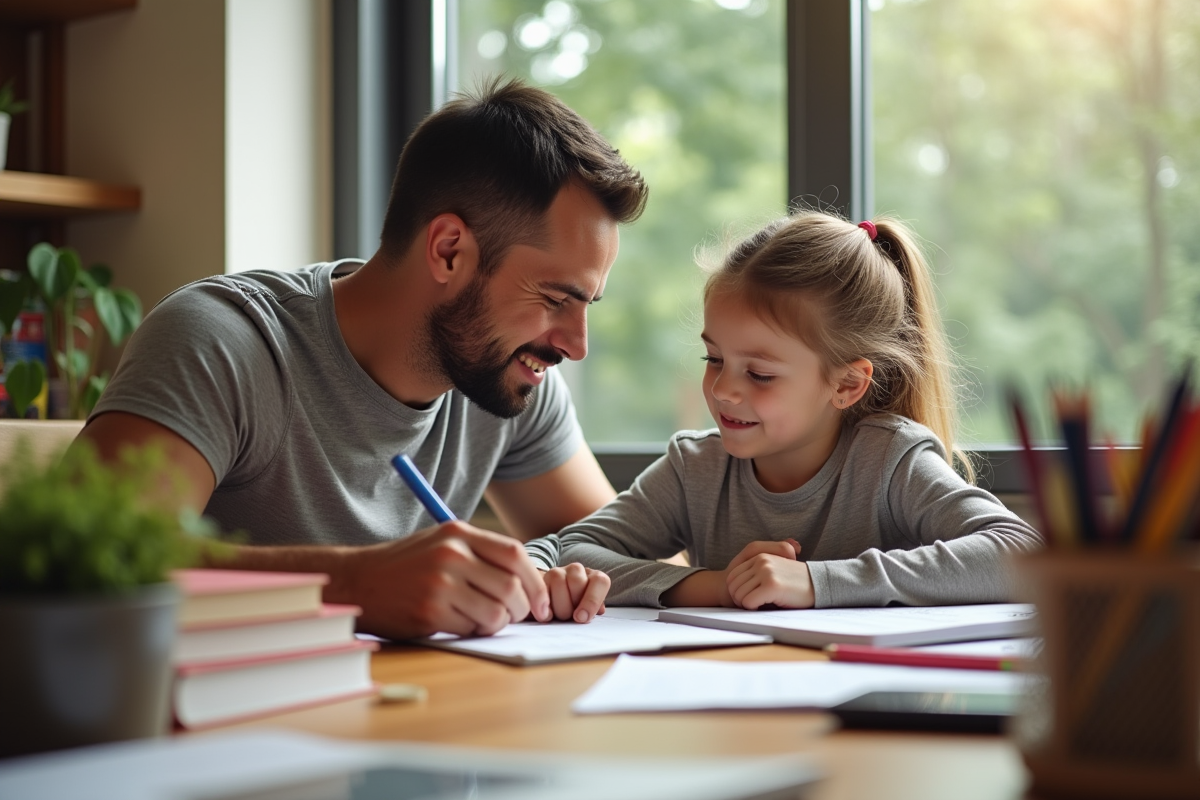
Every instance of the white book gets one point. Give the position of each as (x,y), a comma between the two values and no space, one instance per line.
(217,692)
(894,626)
(331,625)
(525,643)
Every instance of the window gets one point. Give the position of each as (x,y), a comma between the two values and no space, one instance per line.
(1051,152)
(692,93)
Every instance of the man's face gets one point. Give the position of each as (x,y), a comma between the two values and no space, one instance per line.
(495,340)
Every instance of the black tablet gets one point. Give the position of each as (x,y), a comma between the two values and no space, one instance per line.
(928,711)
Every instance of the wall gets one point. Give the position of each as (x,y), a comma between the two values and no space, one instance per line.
(146,106)
(278,211)
(219,112)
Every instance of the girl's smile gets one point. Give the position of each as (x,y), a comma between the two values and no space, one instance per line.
(769,394)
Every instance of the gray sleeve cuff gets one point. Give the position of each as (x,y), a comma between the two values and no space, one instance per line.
(543,551)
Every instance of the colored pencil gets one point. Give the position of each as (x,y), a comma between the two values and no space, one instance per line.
(1157,453)
(1173,503)
(865,654)
(1032,465)
(1073,416)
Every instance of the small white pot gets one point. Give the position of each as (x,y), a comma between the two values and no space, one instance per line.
(5,119)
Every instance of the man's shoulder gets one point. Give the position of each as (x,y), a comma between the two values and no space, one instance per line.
(239,287)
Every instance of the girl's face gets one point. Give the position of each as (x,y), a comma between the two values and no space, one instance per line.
(766,392)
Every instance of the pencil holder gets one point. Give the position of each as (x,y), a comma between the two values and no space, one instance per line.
(1116,710)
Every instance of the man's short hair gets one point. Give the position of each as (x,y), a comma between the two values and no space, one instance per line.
(498,158)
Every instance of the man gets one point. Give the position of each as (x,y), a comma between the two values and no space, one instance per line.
(281,397)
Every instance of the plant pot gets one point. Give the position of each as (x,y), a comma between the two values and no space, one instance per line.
(5,121)
(84,670)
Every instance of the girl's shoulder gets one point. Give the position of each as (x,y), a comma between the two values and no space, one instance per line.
(893,434)
(693,444)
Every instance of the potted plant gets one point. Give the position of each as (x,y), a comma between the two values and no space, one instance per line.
(10,106)
(87,610)
(58,282)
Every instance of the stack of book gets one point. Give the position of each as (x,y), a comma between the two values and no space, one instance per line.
(254,643)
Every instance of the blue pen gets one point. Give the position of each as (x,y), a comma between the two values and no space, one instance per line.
(421,488)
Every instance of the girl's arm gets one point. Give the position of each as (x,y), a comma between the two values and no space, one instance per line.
(624,538)
(953,546)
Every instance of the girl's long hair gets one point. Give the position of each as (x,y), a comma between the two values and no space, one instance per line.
(821,278)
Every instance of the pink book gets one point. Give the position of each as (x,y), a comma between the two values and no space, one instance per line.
(222,596)
(220,692)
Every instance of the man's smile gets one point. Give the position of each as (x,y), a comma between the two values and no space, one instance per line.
(534,365)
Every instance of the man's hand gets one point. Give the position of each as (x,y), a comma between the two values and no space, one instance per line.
(768,572)
(454,578)
(577,592)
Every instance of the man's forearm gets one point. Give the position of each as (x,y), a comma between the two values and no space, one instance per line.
(335,561)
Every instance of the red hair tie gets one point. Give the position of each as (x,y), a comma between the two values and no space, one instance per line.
(870,228)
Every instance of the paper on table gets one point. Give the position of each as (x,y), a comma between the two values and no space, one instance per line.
(543,643)
(676,684)
(1027,647)
(896,626)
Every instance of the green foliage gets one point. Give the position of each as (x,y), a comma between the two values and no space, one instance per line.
(80,526)
(9,104)
(24,382)
(57,278)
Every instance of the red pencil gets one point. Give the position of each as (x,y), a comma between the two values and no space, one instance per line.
(904,657)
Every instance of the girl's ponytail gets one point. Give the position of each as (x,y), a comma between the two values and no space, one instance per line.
(932,399)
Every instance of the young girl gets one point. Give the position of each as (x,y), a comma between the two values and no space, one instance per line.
(829,479)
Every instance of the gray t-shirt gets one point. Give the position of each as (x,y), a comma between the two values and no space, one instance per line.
(885,520)
(252,370)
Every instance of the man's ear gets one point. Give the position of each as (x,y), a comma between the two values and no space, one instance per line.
(852,383)
(451,251)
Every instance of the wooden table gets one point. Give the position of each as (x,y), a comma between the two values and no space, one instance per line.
(486,704)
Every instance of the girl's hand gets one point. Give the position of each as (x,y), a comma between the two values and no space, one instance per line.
(788,548)
(576,592)
(768,572)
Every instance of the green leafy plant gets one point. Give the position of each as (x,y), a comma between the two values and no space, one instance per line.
(9,104)
(57,278)
(78,525)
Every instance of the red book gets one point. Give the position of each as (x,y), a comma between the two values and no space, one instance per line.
(222,596)
(331,625)
(219,692)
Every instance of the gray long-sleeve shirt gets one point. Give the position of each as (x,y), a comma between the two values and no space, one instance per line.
(885,520)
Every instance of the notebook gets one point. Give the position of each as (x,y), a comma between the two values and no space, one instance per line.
(620,630)
(894,626)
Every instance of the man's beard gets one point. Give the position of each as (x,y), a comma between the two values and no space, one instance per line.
(464,347)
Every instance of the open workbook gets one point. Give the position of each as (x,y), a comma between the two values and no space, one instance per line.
(895,626)
(620,630)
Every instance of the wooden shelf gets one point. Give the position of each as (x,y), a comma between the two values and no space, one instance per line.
(41,11)
(36,196)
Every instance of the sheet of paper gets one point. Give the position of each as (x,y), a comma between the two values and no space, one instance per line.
(532,642)
(1027,647)
(675,684)
(896,625)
